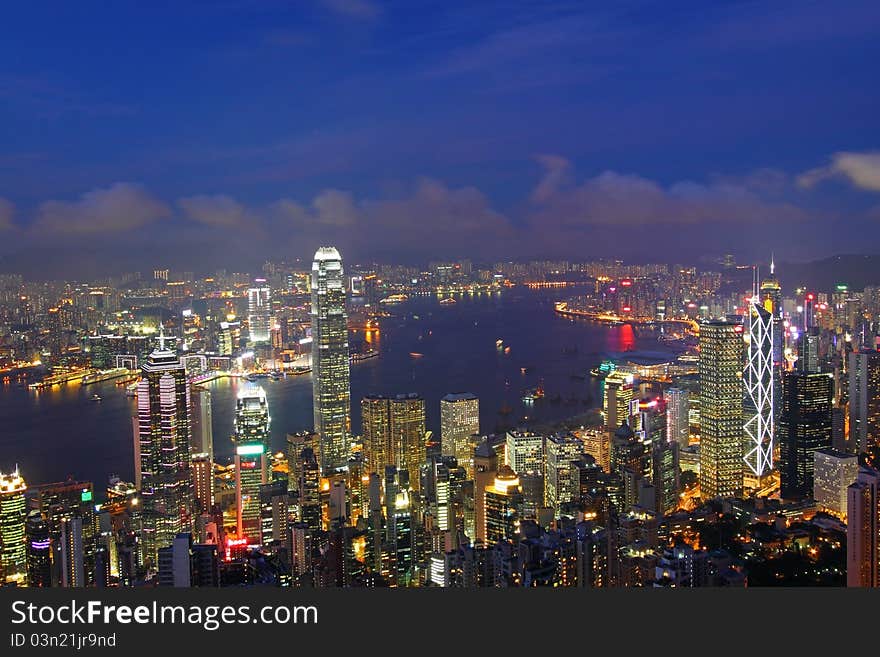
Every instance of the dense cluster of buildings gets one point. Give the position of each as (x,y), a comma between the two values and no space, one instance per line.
(757,468)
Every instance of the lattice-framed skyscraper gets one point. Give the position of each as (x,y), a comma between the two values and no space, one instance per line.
(758,386)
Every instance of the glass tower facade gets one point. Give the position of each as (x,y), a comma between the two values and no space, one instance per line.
(330,359)
(721,403)
(163,446)
(251,460)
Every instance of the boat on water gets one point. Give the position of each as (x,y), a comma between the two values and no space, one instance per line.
(448,301)
(416,354)
(499,343)
(394,298)
(96,398)
(533,394)
(363,355)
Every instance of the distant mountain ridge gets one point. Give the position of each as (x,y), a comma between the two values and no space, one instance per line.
(854,270)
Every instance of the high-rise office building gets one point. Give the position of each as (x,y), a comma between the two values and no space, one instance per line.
(163,450)
(252,447)
(665,476)
(759,384)
(864,400)
(562,451)
(203,481)
(330,359)
(259,311)
(394,433)
(721,403)
(202,429)
(862,527)
(833,472)
(72,552)
(504,503)
(677,422)
(64,501)
(403,539)
(459,421)
(13,547)
(619,392)
(804,427)
(39,551)
(524,452)
(274,512)
(485,469)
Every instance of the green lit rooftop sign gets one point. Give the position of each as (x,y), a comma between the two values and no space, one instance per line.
(249,450)
(842,287)
(86,496)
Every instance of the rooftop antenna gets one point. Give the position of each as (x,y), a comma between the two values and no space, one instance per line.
(161,336)
(772,264)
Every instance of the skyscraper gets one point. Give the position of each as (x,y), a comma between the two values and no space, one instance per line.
(485,468)
(862,526)
(562,451)
(804,427)
(524,452)
(504,503)
(203,481)
(864,399)
(164,434)
(721,406)
(251,441)
(259,311)
(39,560)
(759,384)
(64,501)
(394,433)
(202,429)
(833,472)
(459,420)
(13,549)
(677,423)
(330,359)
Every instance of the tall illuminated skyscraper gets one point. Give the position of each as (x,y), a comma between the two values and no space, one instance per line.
(394,433)
(759,384)
(13,547)
(485,469)
(259,311)
(721,404)
(864,400)
(251,441)
(677,411)
(459,420)
(39,560)
(163,450)
(562,451)
(504,506)
(804,428)
(330,359)
(862,527)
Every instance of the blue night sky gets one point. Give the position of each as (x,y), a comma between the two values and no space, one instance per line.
(223,133)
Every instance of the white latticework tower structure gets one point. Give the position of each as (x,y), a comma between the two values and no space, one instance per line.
(758,388)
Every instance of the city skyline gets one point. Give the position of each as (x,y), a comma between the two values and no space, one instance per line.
(394,294)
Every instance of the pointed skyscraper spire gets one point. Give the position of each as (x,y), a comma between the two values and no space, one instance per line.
(772,264)
(161,336)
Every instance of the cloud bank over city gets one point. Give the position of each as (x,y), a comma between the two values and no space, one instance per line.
(403,132)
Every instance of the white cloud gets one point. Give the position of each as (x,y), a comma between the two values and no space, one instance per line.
(615,199)
(218,210)
(860,169)
(120,207)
